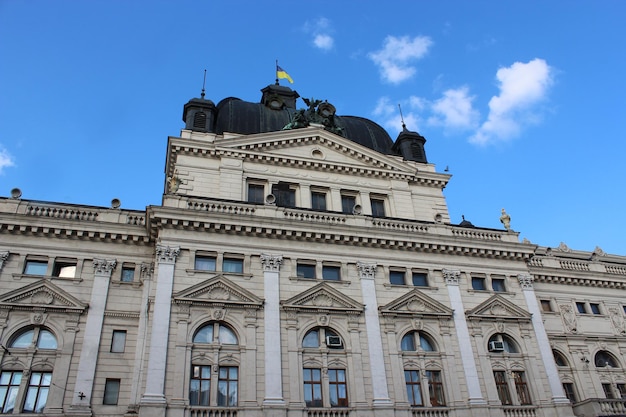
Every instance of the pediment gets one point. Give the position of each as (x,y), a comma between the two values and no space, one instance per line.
(218,290)
(416,303)
(323,297)
(42,294)
(497,307)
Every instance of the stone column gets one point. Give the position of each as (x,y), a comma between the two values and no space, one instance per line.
(367,273)
(91,340)
(452,278)
(273,356)
(558,395)
(153,401)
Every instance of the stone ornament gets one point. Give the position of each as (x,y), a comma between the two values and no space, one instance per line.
(525,281)
(366,270)
(3,257)
(569,318)
(271,263)
(505,219)
(451,276)
(104,266)
(166,254)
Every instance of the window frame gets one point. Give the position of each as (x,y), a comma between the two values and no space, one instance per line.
(335,387)
(570,392)
(348,199)
(521,387)
(10,389)
(285,194)
(201,380)
(39,390)
(502,387)
(306,267)
(413,384)
(233,260)
(312,378)
(435,388)
(319,196)
(397,275)
(115,341)
(328,269)
(111,395)
(205,257)
(479,281)
(34,263)
(228,381)
(377,205)
(420,274)
(65,268)
(252,196)
(501,284)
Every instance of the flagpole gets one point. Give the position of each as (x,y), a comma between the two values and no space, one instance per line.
(277,83)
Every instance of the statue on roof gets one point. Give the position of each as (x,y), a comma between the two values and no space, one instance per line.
(320,112)
(505,219)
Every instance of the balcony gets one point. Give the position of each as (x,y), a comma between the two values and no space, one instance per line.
(520,411)
(196,411)
(328,412)
(429,412)
(600,407)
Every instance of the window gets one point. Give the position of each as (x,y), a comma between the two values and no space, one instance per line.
(322,337)
(215,333)
(304,270)
(331,273)
(378,207)
(414,339)
(200,385)
(570,393)
(502,387)
(478,283)
(233,265)
(420,279)
(498,284)
(256,193)
(595,308)
(35,267)
(546,305)
(312,378)
(502,343)
(42,338)
(338,394)
(435,389)
(347,203)
(396,277)
(604,359)
(9,386)
(64,269)
(559,359)
(621,388)
(204,263)
(582,308)
(128,273)
(608,392)
(413,387)
(111,391)
(37,392)
(285,194)
(227,386)
(118,341)
(318,200)
(521,387)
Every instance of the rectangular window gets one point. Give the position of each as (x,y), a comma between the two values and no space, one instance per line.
(413,387)
(256,193)
(347,203)
(396,277)
(502,387)
(36,267)
(9,386)
(595,308)
(37,393)
(111,391)
(521,387)
(118,341)
(331,273)
(621,388)
(608,392)
(318,200)
(200,385)
(227,386)
(546,305)
(338,393)
(204,263)
(128,273)
(570,393)
(420,279)
(312,379)
(305,271)
(478,283)
(378,207)
(582,308)
(435,389)
(233,265)
(285,194)
(64,269)
(498,284)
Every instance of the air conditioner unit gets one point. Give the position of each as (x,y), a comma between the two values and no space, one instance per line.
(496,346)
(333,341)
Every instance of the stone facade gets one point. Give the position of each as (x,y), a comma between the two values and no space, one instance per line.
(218,303)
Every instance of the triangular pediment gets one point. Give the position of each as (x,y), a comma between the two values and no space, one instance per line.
(218,291)
(323,297)
(42,295)
(497,307)
(416,303)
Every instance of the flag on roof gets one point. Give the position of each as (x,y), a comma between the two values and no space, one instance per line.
(281,73)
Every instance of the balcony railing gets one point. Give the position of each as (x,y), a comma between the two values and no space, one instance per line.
(600,407)
(328,412)
(212,412)
(520,411)
(429,412)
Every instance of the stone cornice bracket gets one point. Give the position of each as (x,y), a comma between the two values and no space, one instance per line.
(165,254)
(3,257)
(104,266)
(271,263)
(146,270)
(451,276)
(366,270)
(526,281)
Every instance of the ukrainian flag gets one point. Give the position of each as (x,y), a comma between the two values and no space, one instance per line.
(281,73)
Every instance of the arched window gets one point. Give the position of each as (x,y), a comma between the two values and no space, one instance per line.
(604,359)
(215,333)
(416,340)
(39,337)
(500,342)
(322,336)
(559,359)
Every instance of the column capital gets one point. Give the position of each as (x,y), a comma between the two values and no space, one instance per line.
(104,266)
(451,276)
(166,254)
(366,270)
(271,263)
(526,281)
(4,255)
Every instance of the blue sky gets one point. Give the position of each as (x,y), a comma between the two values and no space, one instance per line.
(524,102)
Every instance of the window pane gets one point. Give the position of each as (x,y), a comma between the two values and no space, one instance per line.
(285,195)
(546,305)
(413,387)
(311,339)
(111,391)
(498,285)
(233,265)
(378,208)
(568,387)
(425,344)
(118,343)
(420,279)
(204,335)
(200,385)
(46,340)
(36,268)
(581,308)
(396,277)
(305,271)
(9,387)
(332,273)
(408,343)
(227,387)
(312,387)
(347,203)
(435,388)
(128,274)
(227,336)
(205,263)
(318,201)
(37,392)
(24,340)
(256,193)
(502,387)
(595,308)
(478,283)
(64,270)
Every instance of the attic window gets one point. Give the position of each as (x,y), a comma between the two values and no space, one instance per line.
(199,120)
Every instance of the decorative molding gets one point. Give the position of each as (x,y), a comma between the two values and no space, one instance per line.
(166,254)
(526,281)
(104,266)
(451,276)
(220,293)
(366,270)
(569,318)
(498,308)
(3,257)
(271,263)
(323,299)
(146,270)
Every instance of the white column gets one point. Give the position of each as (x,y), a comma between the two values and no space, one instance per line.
(273,356)
(93,330)
(452,278)
(155,380)
(558,395)
(367,273)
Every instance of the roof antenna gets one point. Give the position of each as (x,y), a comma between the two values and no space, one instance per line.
(203,84)
(401,117)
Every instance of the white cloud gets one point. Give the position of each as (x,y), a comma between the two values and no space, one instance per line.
(321,30)
(388,114)
(454,110)
(6,160)
(522,85)
(395,58)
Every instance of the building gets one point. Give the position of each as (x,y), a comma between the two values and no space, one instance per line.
(302,264)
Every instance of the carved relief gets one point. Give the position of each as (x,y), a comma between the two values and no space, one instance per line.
(271,263)
(219,313)
(569,318)
(323,319)
(322,300)
(104,266)
(3,257)
(525,281)
(42,296)
(218,293)
(38,318)
(451,276)
(617,320)
(166,254)
(366,270)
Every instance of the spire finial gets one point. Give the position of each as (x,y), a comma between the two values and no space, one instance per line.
(401,117)
(203,84)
